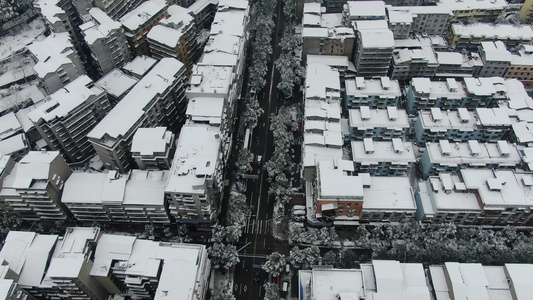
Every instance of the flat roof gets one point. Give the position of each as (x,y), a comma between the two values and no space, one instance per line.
(376,38)
(116,83)
(361,87)
(101,28)
(320,79)
(389,193)
(327,284)
(206,109)
(448,120)
(383,151)
(140,65)
(366,9)
(473,4)
(148,141)
(136,18)
(473,153)
(426,88)
(334,183)
(378,118)
(490,31)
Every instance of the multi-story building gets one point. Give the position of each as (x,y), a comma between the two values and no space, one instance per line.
(157,100)
(472,93)
(374,93)
(175,36)
(383,158)
(461,125)
(363,10)
(56,61)
(65,118)
(344,198)
(204,12)
(521,67)
(475,10)
(147,269)
(116,8)
(139,66)
(413,58)
(476,197)
(153,148)
(116,84)
(138,22)
(136,197)
(430,19)
(526,12)
(106,41)
(373,48)
(496,59)
(400,22)
(471,35)
(455,64)
(447,157)
(32,190)
(194,186)
(378,124)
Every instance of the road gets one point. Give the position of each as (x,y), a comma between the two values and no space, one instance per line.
(257,240)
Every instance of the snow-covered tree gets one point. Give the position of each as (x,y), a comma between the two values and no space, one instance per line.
(330,259)
(271,291)
(304,259)
(239,211)
(225,294)
(244,162)
(223,256)
(252,113)
(275,264)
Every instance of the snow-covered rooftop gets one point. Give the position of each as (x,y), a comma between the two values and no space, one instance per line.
(424,87)
(14,144)
(366,9)
(100,27)
(376,38)
(156,82)
(195,159)
(327,284)
(365,118)
(495,51)
(446,192)
(369,152)
(399,15)
(321,81)
(140,65)
(147,141)
(206,109)
(388,193)
(116,83)
(135,19)
(334,183)
(437,120)
(9,125)
(364,88)
(489,31)
(465,5)
(210,80)
(15,43)
(51,53)
(49,9)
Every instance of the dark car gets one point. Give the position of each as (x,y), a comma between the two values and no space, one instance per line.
(256,278)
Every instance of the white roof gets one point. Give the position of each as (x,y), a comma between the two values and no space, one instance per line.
(472,153)
(49,9)
(366,9)
(461,119)
(331,20)
(9,125)
(148,141)
(473,4)
(399,281)
(389,193)
(449,58)
(376,38)
(167,36)
(399,15)
(521,279)
(312,8)
(116,83)
(14,144)
(489,31)
(206,109)
(51,53)
(362,88)
(436,89)
(146,187)
(328,284)
(337,61)
(210,80)
(320,80)
(495,51)
(378,118)
(100,28)
(446,192)
(334,183)
(145,12)
(493,116)
(383,152)
(159,79)
(140,65)
(196,155)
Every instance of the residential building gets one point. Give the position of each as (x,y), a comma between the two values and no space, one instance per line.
(461,125)
(9,289)
(106,41)
(147,269)
(363,10)
(374,93)
(66,116)
(452,158)
(138,22)
(175,36)
(205,110)
(430,19)
(32,190)
(153,148)
(116,84)
(373,49)
(400,22)
(194,187)
(496,59)
(56,61)
(476,197)
(378,124)
(6,166)
(374,280)
(526,12)
(455,64)
(521,67)
(486,11)
(135,197)
(204,12)
(116,8)
(139,66)
(470,36)
(55,17)
(323,136)
(13,141)
(414,58)
(383,158)
(157,100)
(472,93)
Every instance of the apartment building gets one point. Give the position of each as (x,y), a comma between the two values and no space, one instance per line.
(387,278)
(138,22)
(204,11)
(135,197)
(106,41)
(363,10)
(139,66)
(471,35)
(373,49)
(175,36)
(457,65)
(476,197)
(56,61)
(153,148)
(521,66)
(496,59)
(194,187)
(374,93)
(339,196)
(384,124)
(116,84)
(151,270)
(66,116)
(429,19)
(453,157)
(400,22)
(32,190)
(414,58)
(383,158)
(9,288)
(158,99)
(475,10)
(323,136)
(116,8)
(424,94)
(461,125)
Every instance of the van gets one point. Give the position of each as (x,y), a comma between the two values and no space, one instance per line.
(287,268)
(298,212)
(298,207)
(285,286)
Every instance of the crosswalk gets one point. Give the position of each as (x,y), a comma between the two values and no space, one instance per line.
(258,226)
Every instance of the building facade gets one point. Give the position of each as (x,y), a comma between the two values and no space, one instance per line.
(153,148)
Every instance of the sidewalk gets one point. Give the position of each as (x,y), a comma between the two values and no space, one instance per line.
(221,282)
